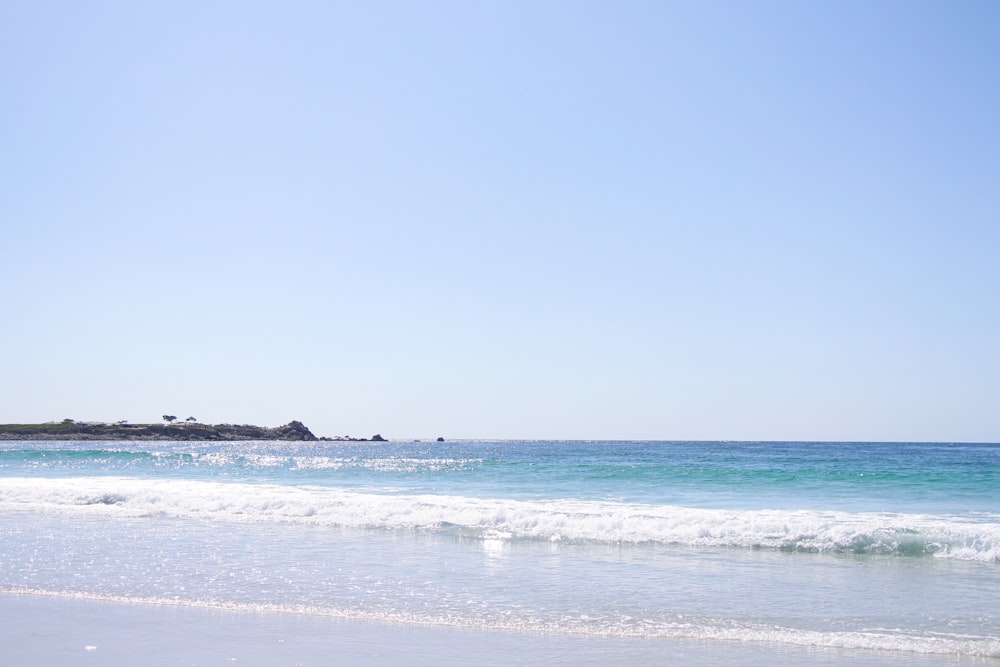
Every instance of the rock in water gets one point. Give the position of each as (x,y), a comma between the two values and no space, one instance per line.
(295,430)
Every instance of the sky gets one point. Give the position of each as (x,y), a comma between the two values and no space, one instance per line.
(583,220)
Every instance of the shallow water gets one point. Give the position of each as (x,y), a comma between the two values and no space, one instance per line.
(60,631)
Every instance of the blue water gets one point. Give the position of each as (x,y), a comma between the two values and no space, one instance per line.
(867,546)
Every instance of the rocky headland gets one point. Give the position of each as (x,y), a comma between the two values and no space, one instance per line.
(69,429)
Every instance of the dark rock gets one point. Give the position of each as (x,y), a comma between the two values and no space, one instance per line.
(296,426)
(295,430)
(377,438)
(440,439)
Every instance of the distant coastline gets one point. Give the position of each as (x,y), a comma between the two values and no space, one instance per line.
(69,429)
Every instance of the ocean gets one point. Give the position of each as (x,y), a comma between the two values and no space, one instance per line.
(841,552)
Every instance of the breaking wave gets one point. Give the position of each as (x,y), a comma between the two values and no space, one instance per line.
(973,537)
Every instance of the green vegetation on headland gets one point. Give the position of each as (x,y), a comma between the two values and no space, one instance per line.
(69,429)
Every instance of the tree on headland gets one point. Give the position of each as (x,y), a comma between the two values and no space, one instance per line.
(190,419)
(169,418)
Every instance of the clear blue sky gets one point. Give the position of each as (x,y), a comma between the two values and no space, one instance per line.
(742,220)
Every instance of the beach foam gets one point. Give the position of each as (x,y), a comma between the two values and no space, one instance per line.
(975,537)
(705,629)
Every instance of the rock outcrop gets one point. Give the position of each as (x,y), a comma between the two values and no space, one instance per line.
(70,430)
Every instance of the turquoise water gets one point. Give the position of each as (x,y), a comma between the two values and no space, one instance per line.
(849,476)
(866,546)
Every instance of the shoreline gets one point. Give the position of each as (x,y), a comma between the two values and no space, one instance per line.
(57,630)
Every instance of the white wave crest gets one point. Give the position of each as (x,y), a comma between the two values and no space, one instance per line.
(961,537)
(389,464)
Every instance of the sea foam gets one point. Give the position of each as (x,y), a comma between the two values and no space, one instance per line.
(700,628)
(964,537)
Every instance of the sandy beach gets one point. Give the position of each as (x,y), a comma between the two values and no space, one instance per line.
(56,631)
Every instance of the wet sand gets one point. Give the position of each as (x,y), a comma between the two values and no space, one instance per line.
(56,631)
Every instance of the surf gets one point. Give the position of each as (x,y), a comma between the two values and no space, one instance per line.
(971,536)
